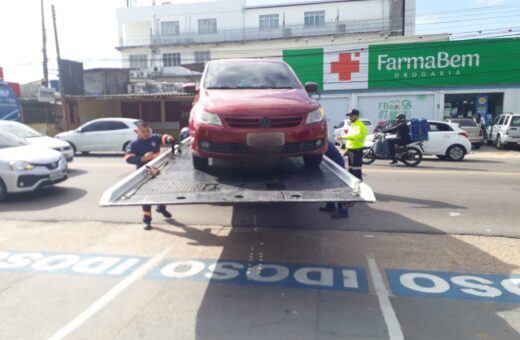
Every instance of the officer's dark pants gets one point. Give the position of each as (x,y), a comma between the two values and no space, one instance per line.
(355,162)
(147,210)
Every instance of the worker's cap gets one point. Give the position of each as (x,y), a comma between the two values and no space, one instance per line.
(353,112)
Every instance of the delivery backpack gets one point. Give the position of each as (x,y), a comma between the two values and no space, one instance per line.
(419,129)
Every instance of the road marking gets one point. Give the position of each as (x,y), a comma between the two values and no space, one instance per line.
(443,172)
(108,297)
(392,323)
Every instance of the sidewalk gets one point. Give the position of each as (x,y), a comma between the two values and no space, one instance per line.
(492,152)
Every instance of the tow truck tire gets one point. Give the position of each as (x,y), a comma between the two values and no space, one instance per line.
(312,161)
(200,163)
(3,191)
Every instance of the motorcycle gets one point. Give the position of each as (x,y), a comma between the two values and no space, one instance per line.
(378,148)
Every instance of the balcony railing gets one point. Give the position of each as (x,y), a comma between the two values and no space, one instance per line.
(284,32)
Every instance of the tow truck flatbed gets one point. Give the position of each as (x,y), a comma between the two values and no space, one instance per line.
(232,182)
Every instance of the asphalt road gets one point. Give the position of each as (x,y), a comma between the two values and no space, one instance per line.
(435,258)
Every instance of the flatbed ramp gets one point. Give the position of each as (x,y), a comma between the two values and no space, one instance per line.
(233,182)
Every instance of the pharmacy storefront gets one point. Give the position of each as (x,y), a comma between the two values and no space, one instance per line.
(433,80)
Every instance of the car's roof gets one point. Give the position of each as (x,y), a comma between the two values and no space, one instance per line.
(10,122)
(121,119)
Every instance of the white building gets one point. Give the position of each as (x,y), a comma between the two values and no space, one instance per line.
(156,40)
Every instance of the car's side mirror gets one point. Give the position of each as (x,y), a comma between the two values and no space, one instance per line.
(190,88)
(311,87)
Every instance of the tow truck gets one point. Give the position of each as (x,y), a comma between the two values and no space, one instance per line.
(234,182)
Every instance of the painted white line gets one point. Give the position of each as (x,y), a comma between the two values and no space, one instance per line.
(392,323)
(108,297)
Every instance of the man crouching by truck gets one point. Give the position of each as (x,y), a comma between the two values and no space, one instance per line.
(144,149)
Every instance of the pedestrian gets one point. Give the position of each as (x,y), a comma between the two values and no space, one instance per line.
(338,209)
(145,148)
(355,140)
(481,123)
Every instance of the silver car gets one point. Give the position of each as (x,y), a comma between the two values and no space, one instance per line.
(35,138)
(25,168)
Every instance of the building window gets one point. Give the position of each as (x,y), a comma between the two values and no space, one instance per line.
(170,28)
(139,61)
(269,21)
(171,59)
(202,56)
(207,26)
(315,18)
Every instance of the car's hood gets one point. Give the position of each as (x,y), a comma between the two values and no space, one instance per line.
(47,142)
(257,102)
(29,153)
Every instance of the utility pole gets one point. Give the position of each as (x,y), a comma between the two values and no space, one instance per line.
(64,105)
(44,50)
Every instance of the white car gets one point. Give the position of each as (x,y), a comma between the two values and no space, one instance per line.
(105,134)
(341,130)
(447,141)
(26,168)
(505,130)
(33,137)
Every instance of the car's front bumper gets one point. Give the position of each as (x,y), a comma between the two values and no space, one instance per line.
(31,180)
(224,142)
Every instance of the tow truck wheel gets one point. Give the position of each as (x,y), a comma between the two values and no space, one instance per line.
(200,163)
(312,161)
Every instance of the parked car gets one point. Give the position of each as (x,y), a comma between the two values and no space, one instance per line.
(475,133)
(245,107)
(447,141)
(25,167)
(35,138)
(504,130)
(341,130)
(105,134)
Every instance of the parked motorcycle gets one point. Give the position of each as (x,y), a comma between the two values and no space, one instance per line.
(379,148)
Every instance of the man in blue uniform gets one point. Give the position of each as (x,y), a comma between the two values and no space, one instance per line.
(144,149)
(338,210)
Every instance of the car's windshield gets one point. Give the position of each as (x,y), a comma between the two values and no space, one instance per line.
(20,130)
(8,140)
(515,121)
(464,122)
(249,75)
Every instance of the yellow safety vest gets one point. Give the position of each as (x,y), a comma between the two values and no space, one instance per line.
(356,135)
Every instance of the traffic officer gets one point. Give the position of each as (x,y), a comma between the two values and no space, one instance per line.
(355,140)
(145,148)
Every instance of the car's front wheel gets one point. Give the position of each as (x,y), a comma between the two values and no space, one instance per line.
(200,163)
(499,143)
(456,153)
(312,161)
(3,191)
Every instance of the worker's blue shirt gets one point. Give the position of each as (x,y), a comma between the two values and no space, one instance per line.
(138,148)
(335,155)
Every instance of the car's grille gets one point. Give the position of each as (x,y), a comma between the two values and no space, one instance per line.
(50,166)
(65,148)
(264,122)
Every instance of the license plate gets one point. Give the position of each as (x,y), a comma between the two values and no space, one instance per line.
(54,176)
(266,139)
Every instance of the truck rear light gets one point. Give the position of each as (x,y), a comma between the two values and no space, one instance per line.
(464,134)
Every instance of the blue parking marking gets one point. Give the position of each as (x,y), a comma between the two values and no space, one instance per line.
(69,264)
(458,286)
(323,277)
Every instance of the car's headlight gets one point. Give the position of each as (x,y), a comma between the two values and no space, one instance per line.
(315,116)
(207,117)
(21,165)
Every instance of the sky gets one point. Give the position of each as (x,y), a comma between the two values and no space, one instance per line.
(88,29)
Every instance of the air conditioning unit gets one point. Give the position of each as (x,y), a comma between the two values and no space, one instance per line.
(341,28)
(287,32)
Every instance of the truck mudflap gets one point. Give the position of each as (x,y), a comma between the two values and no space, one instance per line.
(235,182)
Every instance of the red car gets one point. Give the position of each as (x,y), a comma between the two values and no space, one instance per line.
(252,107)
